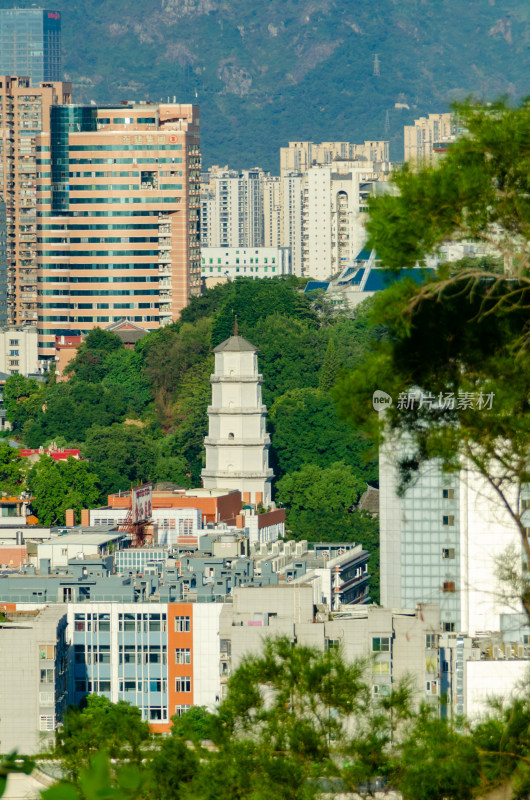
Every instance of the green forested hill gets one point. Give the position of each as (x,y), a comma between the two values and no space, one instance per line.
(266,71)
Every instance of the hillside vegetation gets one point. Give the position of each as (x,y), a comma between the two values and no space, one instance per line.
(268,72)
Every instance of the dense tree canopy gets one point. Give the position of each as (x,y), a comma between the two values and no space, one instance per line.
(456,360)
(297,723)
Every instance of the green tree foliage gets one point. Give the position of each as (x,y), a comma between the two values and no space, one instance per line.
(120,455)
(71,409)
(320,505)
(330,368)
(253,300)
(89,363)
(290,354)
(464,334)
(13,470)
(438,761)
(125,376)
(22,400)
(306,429)
(58,485)
(116,729)
(483,181)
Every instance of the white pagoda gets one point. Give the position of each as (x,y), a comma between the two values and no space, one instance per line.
(237,445)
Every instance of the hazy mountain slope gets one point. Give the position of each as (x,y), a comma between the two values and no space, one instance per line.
(266,72)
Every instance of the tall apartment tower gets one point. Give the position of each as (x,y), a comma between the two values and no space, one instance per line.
(3,264)
(334,205)
(440,543)
(232,209)
(299,156)
(272,210)
(292,227)
(237,445)
(429,137)
(118,226)
(30,44)
(24,112)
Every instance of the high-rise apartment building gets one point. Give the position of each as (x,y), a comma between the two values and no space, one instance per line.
(3,264)
(272,210)
(299,156)
(429,137)
(118,190)
(334,207)
(440,543)
(24,111)
(232,209)
(30,43)
(292,192)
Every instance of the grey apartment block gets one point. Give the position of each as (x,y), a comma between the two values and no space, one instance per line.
(395,644)
(34,672)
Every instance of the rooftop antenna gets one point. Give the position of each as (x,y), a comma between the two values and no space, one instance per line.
(236,331)
(377,65)
(387,123)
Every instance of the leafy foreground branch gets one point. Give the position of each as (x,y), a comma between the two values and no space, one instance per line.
(297,724)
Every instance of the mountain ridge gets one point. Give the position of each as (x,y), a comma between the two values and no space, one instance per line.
(298,69)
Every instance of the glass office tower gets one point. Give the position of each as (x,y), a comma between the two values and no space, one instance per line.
(30,43)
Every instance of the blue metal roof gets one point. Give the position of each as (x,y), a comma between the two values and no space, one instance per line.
(312,285)
(381,279)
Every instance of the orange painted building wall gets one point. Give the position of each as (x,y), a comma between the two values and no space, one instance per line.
(177,640)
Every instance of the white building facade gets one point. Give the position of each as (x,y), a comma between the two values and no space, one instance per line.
(237,445)
(441,542)
(19,351)
(227,263)
(334,211)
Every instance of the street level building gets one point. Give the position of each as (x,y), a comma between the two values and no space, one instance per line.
(220,264)
(34,670)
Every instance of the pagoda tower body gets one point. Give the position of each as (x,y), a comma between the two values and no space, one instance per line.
(237,445)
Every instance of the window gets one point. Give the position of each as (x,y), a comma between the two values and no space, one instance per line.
(183,684)
(449,520)
(431,664)
(448,552)
(47,652)
(182,624)
(431,687)
(46,698)
(80,686)
(180,710)
(448,494)
(431,640)
(157,714)
(381,689)
(79,654)
(183,656)
(381,644)
(449,586)
(47,676)
(129,686)
(47,723)
(332,644)
(157,685)
(448,627)
(525,503)
(382,668)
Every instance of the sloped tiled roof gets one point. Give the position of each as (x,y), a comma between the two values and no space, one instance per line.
(235,344)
